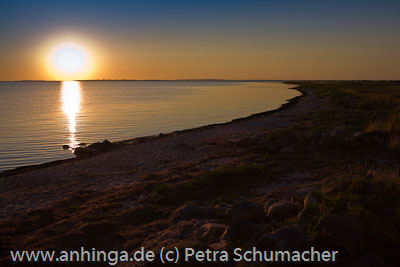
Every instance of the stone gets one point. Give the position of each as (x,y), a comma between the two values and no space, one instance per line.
(188,212)
(282,210)
(102,147)
(312,200)
(288,237)
(222,245)
(247,211)
(95,146)
(334,187)
(186,228)
(242,233)
(210,232)
(341,231)
(302,192)
(268,204)
(81,151)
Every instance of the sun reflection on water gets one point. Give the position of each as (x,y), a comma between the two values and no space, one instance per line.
(71,99)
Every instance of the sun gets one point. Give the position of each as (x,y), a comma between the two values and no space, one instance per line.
(69,61)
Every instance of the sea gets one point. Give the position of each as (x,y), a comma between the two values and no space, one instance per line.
(37,118)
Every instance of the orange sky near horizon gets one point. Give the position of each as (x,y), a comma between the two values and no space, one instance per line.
(237,41)
(206,60)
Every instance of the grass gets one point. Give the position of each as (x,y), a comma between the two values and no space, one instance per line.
(228,176)
(370,196)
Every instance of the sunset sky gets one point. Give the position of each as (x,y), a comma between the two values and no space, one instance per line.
(202,39)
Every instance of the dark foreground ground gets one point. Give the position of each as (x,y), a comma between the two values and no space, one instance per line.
(324,174)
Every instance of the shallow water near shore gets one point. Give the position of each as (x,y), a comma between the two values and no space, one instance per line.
(37,118)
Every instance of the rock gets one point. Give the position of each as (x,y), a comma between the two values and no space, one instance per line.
(210,232)
(81,151)
(289,237)
(369,174)
(188,212)
(312,200)
(268,204)
(303,191)
(65,146)
(222,245)
(242,233)
(267,242)
(101,147)
(185,228)
(312,203)
(95,146)
(341,231)
(282,210)
(287,150)
(227,212)
(303,216)
(107,143)
(334,187)
(247,211)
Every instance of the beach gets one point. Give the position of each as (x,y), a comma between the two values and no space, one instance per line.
(204,148)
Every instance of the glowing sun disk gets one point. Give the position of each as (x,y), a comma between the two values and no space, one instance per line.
(69,61)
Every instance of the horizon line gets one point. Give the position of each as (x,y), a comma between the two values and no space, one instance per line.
(205,79)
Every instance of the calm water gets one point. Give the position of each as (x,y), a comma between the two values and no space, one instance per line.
(37,118)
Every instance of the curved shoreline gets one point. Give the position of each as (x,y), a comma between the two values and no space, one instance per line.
(291,102)
(144,159)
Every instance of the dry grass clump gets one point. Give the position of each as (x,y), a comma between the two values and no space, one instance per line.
(387,125)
